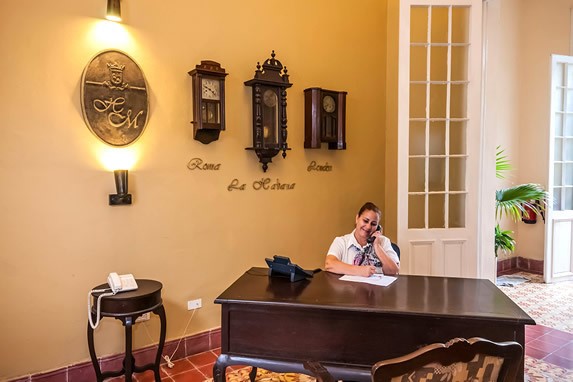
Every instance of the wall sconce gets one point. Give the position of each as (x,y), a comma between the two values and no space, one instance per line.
(269,110)
(119,161)
(122,197)
(113,10)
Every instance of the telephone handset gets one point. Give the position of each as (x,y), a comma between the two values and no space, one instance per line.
(117,283)
(121,283)
(371,239)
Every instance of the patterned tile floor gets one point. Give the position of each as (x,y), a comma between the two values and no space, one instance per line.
(550,305)
(548,345)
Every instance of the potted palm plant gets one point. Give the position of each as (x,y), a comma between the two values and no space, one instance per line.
(513,201)
(503,240)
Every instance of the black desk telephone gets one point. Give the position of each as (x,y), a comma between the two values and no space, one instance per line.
(281,266)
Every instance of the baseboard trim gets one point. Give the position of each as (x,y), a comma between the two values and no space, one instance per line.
(84,372)
(518,263)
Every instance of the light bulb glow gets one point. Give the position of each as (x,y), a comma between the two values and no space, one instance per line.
(106,33)
(118,158)
(113,18)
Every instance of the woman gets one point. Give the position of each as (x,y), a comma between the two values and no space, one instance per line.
(355,254)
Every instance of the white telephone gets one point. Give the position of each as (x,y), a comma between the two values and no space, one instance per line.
(121,283)
(117,283)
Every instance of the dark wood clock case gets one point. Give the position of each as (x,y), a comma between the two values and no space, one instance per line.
(208,112)
(324,118)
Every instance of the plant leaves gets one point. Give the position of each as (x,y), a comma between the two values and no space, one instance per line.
(511,201)
(502,164)
(503,240)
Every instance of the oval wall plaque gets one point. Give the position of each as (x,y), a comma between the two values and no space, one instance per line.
(114,98)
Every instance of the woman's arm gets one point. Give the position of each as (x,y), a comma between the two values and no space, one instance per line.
(389,266)
(332,264)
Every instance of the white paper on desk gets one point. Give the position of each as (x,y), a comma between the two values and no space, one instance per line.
(375,279)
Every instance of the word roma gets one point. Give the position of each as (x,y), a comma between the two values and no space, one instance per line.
(263,184)
(197,164)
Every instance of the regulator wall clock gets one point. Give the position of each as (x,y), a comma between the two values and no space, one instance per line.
(208,101)
(324,118)
(269,110)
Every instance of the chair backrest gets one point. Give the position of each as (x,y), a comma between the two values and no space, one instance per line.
(476,359)
(396,249)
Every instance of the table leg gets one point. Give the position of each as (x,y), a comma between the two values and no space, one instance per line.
(128,360)
(161,313)
(219,369)
(520,337)
(91,347)
(253,374)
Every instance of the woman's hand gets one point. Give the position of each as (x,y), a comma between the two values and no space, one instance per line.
(366,270)
(332,264)
(377,235)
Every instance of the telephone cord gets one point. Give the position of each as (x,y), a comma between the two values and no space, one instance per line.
(166,357)
(98,305)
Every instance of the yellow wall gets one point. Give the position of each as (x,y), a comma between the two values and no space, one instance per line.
(59,237)
(391,111)
(519,51)
(501,98)
(544,29)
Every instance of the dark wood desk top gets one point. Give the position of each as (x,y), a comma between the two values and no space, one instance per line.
(408,296)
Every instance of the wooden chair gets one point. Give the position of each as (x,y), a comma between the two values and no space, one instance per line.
(476,359)
(458,360)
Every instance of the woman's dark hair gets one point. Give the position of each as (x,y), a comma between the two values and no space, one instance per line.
(369,206)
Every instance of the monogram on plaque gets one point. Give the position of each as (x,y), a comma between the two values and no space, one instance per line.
(114,98)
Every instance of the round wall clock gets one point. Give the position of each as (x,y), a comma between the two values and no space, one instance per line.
(328,104)
(270,98)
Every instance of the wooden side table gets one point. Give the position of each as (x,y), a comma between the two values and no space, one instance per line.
(126,307)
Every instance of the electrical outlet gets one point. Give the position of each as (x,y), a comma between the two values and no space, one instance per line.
(143,317)
(194,304)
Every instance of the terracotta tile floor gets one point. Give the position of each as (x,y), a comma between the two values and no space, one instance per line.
(195,368)
(550,345)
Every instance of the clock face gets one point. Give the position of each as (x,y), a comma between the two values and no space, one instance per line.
(270,98)
(210,89)
(328,104)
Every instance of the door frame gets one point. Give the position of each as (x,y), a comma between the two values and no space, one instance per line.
(563,217)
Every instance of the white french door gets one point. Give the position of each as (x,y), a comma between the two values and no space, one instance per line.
(439,136)
(559,215)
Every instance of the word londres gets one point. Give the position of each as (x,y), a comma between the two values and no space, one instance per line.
(313,166)
(263,184)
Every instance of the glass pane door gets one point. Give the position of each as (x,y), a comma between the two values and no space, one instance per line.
(438,118)
(563,137)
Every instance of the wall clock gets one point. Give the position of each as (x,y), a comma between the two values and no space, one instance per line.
(324,118)
(269,100)
(208,101)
